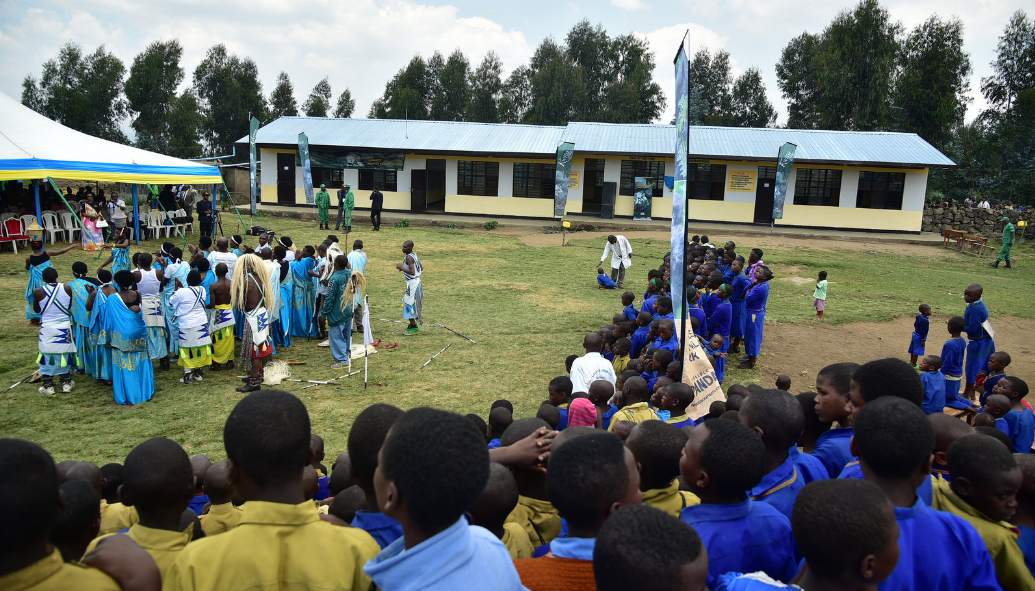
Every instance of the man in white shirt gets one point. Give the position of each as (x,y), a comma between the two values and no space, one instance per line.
(984,204)
(621,257)
(222,255)
(592,366)
(115,205)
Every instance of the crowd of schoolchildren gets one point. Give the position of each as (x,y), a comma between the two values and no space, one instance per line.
(611,486)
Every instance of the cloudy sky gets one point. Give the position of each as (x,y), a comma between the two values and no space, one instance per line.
(362,43)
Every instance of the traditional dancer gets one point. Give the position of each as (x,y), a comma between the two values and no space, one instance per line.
(414,294)
(81,289)
(188,302)
(149,284)
(98,349)
(35,264)
(221,319)
(93,239)
(303,298)
(57,352)
(176,269)
(119,259)
(248,292)
(132,372)
(282,324)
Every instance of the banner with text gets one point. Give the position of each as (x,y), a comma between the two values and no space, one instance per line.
(253,159)
(784,162)
(698,373)
(676,264)
(334,158)
(644,192)
(565,151)
(307,171)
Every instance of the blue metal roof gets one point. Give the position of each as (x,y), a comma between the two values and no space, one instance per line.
(730,143)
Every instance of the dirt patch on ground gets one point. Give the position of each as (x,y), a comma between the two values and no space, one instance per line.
(800,350)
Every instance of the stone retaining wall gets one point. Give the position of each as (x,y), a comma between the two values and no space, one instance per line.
(982,222)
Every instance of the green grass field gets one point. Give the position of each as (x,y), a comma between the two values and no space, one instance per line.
(527,308)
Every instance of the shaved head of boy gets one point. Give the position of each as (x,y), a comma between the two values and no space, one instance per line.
(87,472)
(777,418)
(722,460)
(627,554)
(267,442)
(29,502)
(894,441)
(549,413)
(159,481)
(499,419)
(833,388)
(947,429)
(347,503)
(496,501)
(657,447)
(365,440)
(884,377)
(985,475)
(79,521)
(217,483)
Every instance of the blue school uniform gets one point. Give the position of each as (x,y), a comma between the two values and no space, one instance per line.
(694,311)
(1022,429)
(938,551)
(493,444)
(925,492)
(739,302)
(197,503)
(669,345)
(921,326)
(648,304)
(606,417)
(381,527)
(756,300)
(832,450)
(719,323)
(934,391)
(990,382)
(324,490)
(744,537)
(779,488)
(630,312)
(639,340)
(687,423)
(711,301)
(1026,540)
(953,352)
(459,557)
(564,419)
(605,281)
(1002,425)
(748,582)
(980,346)
(809,467)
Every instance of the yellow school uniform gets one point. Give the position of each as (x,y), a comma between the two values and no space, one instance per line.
(620,363)
(680,419)
(538,518)
(670,499)
(53,574)
(163,545)
(220,518)
(277,546)
(515,538)
(637,413)
(999,536)
(116,517)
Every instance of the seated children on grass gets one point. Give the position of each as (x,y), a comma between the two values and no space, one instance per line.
(628,555)
(1024,518)
(582,413)
(833,385)
(809,466)
(847,533)
(639,338)
(552,415)
(678,397)
(921,326)
(222,515)
(1020,418)
(893,439)
(432,467)
(658,447)
(199,466)
(983,491)
(497,500)
(997,364)
(560,389)
(721,462)
(72,531)
(776,416)
(114,516)
(953,352)
(533,512)
(365,439)
(934,384)
(996,407)
(636,409)
(499,419)
(659,393)
(590,477)
(660,360)
(629,311)
(621,352)
(281,540)
(600,393)
(947,429)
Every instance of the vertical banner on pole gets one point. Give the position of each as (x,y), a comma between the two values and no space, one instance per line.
(642,198)
(253,157)
(677,266)
(36,190)
(565,151)
(136,213)
(307,171)
(784,162)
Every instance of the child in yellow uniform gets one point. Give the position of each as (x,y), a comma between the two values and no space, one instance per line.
(496,502)
(222,515)
(114,516)
(636,396)
(533,512)
(657,448)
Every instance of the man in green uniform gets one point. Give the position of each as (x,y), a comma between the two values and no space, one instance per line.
(1004,253)
(323,203)
(346,203)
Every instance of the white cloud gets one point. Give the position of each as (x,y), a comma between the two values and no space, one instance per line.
(665,42)
(630,4)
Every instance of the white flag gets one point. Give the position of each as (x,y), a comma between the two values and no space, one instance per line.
(368,337)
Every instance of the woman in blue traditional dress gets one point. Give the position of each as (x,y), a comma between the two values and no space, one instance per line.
(303,299)
(757,301)
(119,259)
(132,372)
(281,326)
(98,349)
(81,288)
(35,264)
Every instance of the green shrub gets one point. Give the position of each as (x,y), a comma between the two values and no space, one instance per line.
(450,225)
(403,223)
(491,225)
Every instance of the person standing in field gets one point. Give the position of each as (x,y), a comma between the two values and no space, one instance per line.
(346,203)
(820,295)
(323,205)
(621,257)
(414,294)
(1008,239)
(377,201)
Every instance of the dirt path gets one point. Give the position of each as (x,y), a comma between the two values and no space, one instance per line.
(800,350)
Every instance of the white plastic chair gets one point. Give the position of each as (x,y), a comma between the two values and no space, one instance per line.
(52,225)
(70,225)
(27,220)
(183,213)
(7,216)
(155,224)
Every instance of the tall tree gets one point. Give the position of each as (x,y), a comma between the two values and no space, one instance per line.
(282,100)
(857,60)
(558,91)
(151,90)
(934,77)
(749,105)
(796,77)
(516,98)
(228,91)
(407,95)
(1013,70)
(711,82)
(453,88)
(184,126)
(486,90)
(346,105)
(81,92)
(590,50)
(631,96)
(319,101)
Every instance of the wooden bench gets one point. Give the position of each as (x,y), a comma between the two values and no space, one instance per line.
(948,234)
(978,243)
(966,414)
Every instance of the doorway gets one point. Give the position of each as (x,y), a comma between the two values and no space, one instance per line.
(436,187)
(418,190)
(286,178)
(765,187)
(593,185)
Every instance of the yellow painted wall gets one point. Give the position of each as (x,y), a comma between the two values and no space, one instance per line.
(718,211)
(850,217)
(269,194)
(510,206)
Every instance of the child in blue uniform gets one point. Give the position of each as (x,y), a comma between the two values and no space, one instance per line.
(921,326)
(833,384)
(996,371)
(677,398)
(719,323)
(721,462)
(934,384)
(777,417)
(365,440)
(884,377)
(667,339)
(894,438)
(846,531)
(693,310)
(953,352)
(738,300)
(809,466)
(756,301)
(630,310)
(1020,418)
(1024,518)
(640,337)
(605,280)
(980,345)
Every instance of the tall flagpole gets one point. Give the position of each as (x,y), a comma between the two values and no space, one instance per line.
(680,215)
